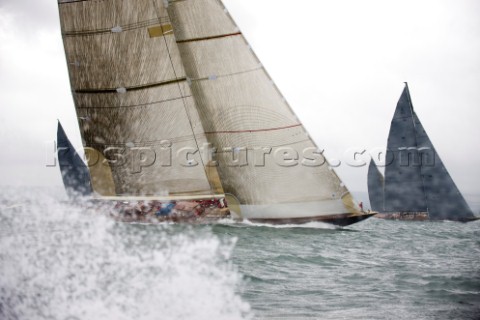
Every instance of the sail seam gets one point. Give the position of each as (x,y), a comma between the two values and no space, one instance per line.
(400,118)
(128,27)
(136,105)
(134,88)
(145,143)
(254,130)
(270,146)
(71,1)
(209,38)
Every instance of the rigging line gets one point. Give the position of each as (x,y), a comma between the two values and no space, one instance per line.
(181,92)
(133,88)
(209,38)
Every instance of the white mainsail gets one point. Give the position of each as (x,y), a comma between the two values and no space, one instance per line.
(132,99)
(242,110)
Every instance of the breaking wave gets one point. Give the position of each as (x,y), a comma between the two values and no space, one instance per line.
(59,261)
(308,225)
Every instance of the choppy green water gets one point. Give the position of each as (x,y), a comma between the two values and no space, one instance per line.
(59,261)
(374,270)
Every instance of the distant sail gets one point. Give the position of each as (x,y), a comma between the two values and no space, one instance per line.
(243,111)
(76,178)
(416,180)
(444,200)
(135,106)
(375,187)
(404,190)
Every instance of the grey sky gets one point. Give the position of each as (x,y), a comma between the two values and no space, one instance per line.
(340,64)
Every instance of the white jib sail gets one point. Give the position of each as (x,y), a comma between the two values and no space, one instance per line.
(266,158)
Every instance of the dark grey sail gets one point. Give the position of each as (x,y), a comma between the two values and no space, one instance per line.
(404,188)
(75,175)
(375,187)
(444,200)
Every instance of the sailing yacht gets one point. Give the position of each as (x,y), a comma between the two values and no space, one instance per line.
(174,106)
(417,186)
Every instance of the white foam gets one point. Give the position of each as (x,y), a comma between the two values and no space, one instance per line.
(59,261)
(310,225)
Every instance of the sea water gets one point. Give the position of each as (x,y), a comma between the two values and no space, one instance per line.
(69,262)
